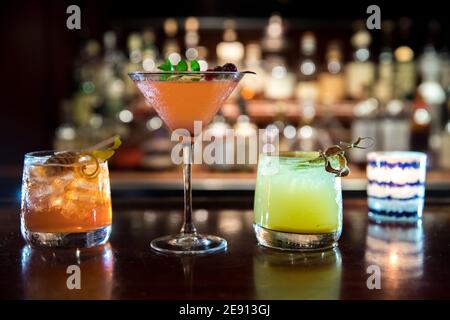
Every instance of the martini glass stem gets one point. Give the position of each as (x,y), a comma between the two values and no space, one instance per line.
(188,225)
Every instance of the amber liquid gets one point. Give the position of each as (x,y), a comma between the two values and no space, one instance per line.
(180,103)
(63,200)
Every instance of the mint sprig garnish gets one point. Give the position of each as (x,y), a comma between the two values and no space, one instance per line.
(181,66)
(166,66)
(195,66)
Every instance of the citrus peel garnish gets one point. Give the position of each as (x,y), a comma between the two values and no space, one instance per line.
(85,163)
(337,152)
(87,158)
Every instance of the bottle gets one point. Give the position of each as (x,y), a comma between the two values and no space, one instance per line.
(135,57)
(307,91)
(445,148)
(253,87)
(113,85)
(280,83)
(150,51)
(191,37)
(311,134)
(430,89)
(246,144)
(405,71)
(112,55)
(420,124)
(66,136)
(445,68)
(384,86)
(224,156)
(84,101)
(171,43)
(365,124)
(88,64)
(307,137)
(280,128)
(155,146)
(274,40)
(360,73)
(394,127)
(331,81)
(230,49)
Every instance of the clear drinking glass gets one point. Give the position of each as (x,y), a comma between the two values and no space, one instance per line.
(66,201)
(396,185)
(298,204)
(180,99)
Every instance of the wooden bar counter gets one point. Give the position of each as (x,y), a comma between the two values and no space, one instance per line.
(413,259)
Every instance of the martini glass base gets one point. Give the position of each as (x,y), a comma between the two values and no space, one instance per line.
(189,244)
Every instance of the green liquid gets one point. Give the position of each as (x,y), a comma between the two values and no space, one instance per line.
(293,195)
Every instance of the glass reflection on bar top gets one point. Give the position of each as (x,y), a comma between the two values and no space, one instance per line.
(45,275)
(305,275)
(398,250)
(227,221)
(128,269)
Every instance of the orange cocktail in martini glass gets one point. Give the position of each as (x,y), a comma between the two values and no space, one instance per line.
(180,98)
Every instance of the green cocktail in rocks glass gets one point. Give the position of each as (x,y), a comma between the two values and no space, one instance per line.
(298,198)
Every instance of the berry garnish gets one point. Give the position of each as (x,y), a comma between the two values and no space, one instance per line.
(182,70)
(229,67)
(210,77)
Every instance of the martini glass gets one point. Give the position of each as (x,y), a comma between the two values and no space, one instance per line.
(180,99)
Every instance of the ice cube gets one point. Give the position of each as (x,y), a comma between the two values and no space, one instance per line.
(37,174)
(77,208)
(37,190)
(81,196)
(56,202)
(86,185)
(62,182)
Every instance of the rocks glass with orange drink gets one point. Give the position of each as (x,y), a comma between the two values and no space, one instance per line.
(66,201)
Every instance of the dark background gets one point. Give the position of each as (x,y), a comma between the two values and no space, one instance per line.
(38,51)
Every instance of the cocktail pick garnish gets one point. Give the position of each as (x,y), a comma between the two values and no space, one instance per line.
(338,152)
(85,158)
(58,162)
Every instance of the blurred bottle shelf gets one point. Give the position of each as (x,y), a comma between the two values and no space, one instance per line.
(139,184)
(317,83)
(206,180)
(265,111)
